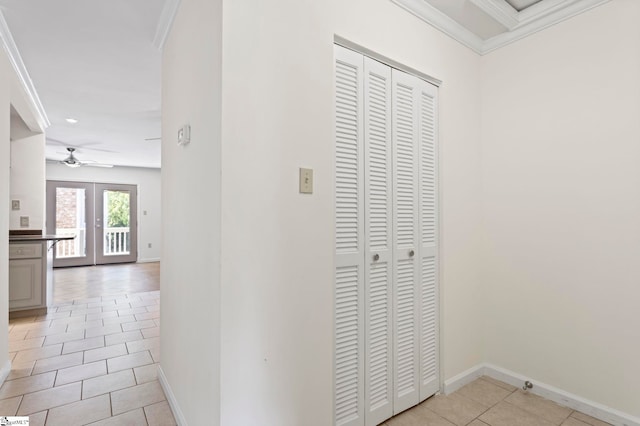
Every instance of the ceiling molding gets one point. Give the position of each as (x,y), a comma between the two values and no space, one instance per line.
(442,22)
(538,10)
(543,20)
(529,21)
(25,83)
(169,12)
(499,10)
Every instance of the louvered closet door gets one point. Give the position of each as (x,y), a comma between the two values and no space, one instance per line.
(406,321)
(386,292)
(349,238)
(428,266)
(379,244)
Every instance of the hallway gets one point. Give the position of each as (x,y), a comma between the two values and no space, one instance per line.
(93,358)
(93,361)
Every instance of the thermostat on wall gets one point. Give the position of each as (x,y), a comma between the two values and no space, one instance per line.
(184,135)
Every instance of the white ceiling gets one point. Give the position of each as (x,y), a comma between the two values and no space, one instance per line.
(94,61)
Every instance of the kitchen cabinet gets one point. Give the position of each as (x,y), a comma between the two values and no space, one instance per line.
(28,273)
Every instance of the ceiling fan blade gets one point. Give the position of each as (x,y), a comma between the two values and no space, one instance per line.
(97,165)
(79,147)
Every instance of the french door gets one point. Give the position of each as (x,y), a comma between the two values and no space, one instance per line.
(102,217)
(115,226)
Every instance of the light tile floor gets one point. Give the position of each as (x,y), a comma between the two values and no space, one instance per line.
(96,281)
(487,401)
(93,360)
(88,361)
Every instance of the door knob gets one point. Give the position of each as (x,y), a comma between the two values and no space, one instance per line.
(411,253)
(376,257)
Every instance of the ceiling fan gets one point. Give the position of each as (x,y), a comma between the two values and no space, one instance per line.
(72,161)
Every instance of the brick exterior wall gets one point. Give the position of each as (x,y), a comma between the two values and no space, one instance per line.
(66,208)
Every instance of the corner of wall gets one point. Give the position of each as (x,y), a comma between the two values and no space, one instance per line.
(5,99)
(171,398)
(4,371)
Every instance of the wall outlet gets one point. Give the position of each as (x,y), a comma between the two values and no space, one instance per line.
(149,245)
(24,221)
(306,181)
(15,204)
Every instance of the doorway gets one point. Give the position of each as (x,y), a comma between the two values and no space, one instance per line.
(103,218)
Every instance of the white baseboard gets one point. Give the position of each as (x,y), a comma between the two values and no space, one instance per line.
(594,409)
(150,260)
(464,378)
(171,398)
(4,371)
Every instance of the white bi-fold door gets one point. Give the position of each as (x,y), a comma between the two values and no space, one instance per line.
(386,325)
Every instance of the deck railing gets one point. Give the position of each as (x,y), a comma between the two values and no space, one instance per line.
(70,248)
(116,241)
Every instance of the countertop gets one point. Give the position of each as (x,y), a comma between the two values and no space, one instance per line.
(36,238)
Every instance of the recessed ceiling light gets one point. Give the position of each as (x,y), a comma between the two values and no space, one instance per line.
(71,120)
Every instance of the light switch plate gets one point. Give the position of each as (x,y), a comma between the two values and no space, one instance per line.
(306,181)
(15,204)
(184,135)
(24,221)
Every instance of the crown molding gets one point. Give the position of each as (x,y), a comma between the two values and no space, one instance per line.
(32,100)
(499,10)
(519,24)
(442,22)
(168,14)
(543,20)
(543,8)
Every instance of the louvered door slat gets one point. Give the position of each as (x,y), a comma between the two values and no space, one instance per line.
(429,366)
(349,239)
(406,342)
(378,258)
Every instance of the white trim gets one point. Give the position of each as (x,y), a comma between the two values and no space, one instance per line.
(168,14)
(499,10)
(4,371)
(531,20)
(24,79)
(543,8)
(150,260)
(575,402)
(442,22)
(594,409)
(171,399)
(341,41)
(464,378)
(540,24)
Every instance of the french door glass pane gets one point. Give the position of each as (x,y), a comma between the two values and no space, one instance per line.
(70,220)
(116,224)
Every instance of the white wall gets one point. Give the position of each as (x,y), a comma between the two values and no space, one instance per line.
(149,194)
(5,99)
(561,174)
(27,181)
(190,273)
(539,221)
(277,245)
(277,262)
